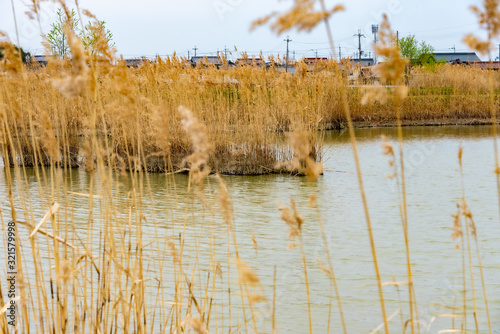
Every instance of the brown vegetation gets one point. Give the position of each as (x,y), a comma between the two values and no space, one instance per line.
(164,116)
(245,109)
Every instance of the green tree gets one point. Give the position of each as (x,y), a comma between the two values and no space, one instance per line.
(415,51)
(57,38)
(95,36)
(408,46)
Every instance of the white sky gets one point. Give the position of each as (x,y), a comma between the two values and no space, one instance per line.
(150,27)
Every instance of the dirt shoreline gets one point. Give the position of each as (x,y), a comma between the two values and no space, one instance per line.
(407,123)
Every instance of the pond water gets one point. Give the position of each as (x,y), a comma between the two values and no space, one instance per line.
(434,188)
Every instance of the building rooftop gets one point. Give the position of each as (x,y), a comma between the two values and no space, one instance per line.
(462,56)
(455,53)
(215,60)
(364,61)
(315,59)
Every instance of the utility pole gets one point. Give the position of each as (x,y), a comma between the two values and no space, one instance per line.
(188,55)
(375,31)
(340,53)
(225,51)
(397,38)
(454,49)
(293,55)
(287,40)
(359,35)
(195,49)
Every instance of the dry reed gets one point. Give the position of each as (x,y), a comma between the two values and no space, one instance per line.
(123,123)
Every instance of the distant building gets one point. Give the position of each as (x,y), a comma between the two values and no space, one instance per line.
(364,61)
(454,56)
(134,62)
(40,59)
(207,60)
(486,65)
(282,67)
(314,62)
(251,61)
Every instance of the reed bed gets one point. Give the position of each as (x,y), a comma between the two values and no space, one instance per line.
(246,109)
(180,269)
(139,107)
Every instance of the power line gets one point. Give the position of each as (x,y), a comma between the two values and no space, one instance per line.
(444,28)
(311,43)
(442,34)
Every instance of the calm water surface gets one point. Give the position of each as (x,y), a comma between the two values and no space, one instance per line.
(433,188)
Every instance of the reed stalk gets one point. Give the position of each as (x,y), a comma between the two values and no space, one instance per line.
(120,125)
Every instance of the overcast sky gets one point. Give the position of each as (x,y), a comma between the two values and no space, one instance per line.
(150,27)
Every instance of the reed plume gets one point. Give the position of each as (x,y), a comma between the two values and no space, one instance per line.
(198,160)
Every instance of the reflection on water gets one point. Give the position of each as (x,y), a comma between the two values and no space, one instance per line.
(433,187)
(415,132)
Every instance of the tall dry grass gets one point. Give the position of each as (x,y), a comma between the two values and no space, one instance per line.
(123,123)
(245,109)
